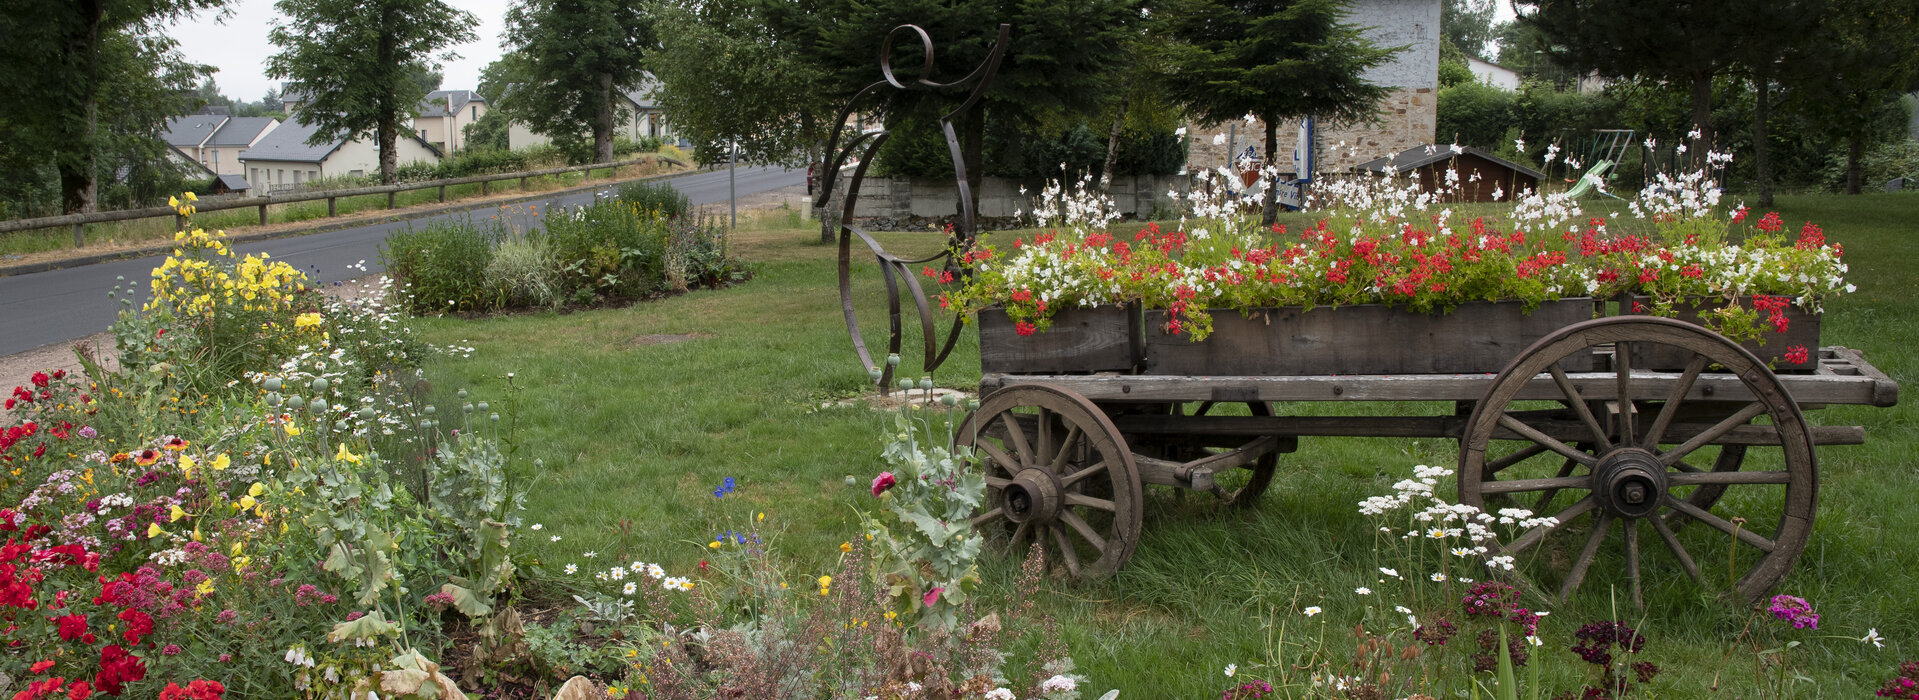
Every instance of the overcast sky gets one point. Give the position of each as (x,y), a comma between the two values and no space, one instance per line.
(238,45)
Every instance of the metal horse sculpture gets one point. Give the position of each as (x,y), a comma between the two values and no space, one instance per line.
(892,267)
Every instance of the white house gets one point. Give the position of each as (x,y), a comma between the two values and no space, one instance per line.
(1494,74)
(443,115)
(216,141)
(639,117)
(283,160)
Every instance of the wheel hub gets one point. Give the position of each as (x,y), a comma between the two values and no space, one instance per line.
(1034,496)
(1629,482)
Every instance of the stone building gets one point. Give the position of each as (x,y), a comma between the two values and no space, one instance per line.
(1406,118)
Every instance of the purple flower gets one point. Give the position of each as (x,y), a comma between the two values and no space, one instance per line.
(170,650)
(87,431)
(1795,610)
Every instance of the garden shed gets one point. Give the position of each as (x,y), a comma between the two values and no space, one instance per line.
(1481,174)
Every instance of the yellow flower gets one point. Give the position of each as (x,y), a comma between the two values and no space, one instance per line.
(713,545)
(205,587)
(240,563)
(826,581)
(191,197)
(846,546)
(292,431)
(686,585)
(890,615)
(153,530)
(186,465)
(173,202)
(222,462)
(174,514)
(308,320)
(762,517)
(256,489)
(247,502)
(236,548)
(343,455)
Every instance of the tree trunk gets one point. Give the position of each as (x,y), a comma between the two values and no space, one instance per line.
(603,122)
(388,134)
(1761,150)
(1701,119)
(1112,148)
(1271,197)
(1855,171)
(78,188)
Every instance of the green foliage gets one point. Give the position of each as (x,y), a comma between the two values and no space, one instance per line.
(1276,59)
(1467,25)
(1899,158)
(88,86)
(577,58)
(746,71)
(489,133)
(522,275)
(444,264)
(363,66)
(1475,114)
(919,149)
(658,197)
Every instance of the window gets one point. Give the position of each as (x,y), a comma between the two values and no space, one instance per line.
(282,179)
(296,177)
(476,113)
(313,175)
(253,177)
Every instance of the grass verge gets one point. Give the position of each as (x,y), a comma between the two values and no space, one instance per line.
(636,433)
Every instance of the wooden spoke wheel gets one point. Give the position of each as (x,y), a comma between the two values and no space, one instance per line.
(1241,487)
(1629,459)
(1057,473)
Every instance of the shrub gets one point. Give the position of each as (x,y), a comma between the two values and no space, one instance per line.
(657,197)
(443,265)
(609,250)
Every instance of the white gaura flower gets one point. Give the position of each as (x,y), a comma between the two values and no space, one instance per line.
(1389,572)
(1872,637)
(1231,669)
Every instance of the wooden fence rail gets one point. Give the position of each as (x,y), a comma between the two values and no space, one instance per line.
(79,221)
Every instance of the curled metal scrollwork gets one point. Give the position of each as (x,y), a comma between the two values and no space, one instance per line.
(895,269)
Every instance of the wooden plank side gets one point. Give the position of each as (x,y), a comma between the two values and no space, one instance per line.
(1081,340)
(1802,330)
(1365,339)
(1804,388)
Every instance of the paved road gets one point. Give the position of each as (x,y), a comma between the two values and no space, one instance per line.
(62,305)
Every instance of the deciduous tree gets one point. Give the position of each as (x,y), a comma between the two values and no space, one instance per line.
(578,57)
(360,64)
(63,59)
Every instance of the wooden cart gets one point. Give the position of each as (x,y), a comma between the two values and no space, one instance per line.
(1572,427)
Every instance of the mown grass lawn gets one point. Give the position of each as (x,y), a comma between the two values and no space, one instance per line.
(635,434)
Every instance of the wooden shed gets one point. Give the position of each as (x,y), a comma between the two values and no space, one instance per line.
(1480,173)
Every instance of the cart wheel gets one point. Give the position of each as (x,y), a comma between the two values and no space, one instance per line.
(1619,466)
(1252,482)
(1057,472)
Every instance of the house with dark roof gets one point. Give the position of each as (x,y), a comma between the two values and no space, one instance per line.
(1470,174)
(639,116)
(214,140)
(443,114)
(285,161)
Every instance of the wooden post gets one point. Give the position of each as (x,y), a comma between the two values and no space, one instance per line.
(332,208)
(443,194)
(179,222)
(522,182)
(263,215)
(389,200)
(79,235)
(484,187)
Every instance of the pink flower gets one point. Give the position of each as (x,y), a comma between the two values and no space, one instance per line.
(933,596)
(883,482)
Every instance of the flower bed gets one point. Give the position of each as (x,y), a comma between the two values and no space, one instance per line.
(1390,247)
